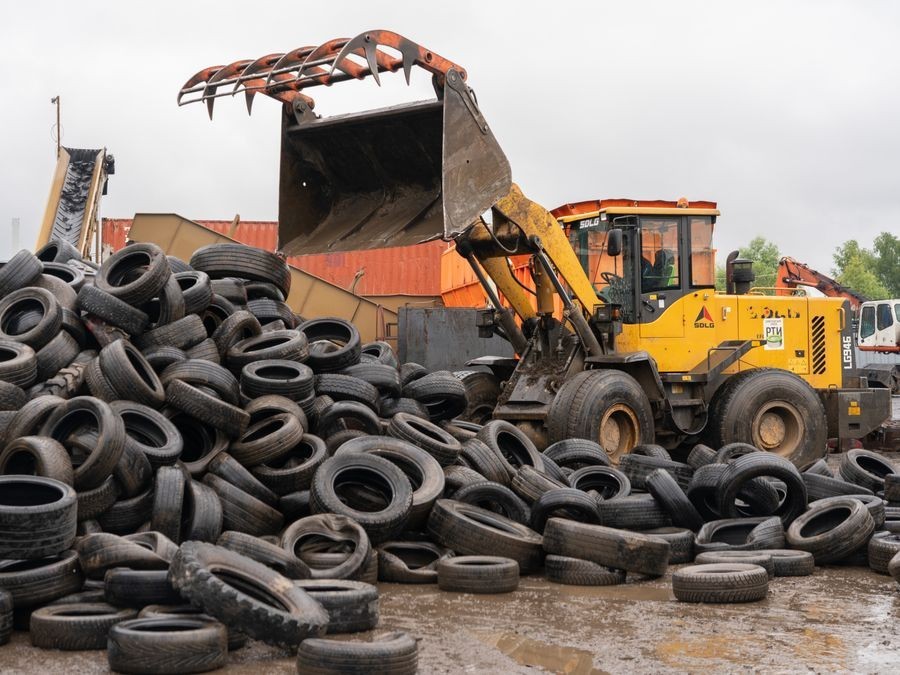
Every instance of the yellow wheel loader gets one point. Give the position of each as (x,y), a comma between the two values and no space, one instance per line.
(644,348)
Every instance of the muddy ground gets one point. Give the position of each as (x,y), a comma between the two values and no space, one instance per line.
(838,620)
(841,619)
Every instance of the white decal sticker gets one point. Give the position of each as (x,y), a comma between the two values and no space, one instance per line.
(773,330)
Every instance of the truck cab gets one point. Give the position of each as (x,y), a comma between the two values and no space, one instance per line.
(878,328)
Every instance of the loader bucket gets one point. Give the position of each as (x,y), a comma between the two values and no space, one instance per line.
(390,177)
(383,178)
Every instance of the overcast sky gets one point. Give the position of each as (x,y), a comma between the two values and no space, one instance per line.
(785,113)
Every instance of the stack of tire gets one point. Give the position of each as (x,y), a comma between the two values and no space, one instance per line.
(192,465)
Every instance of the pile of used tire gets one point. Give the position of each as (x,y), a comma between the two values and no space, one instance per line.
(187,465)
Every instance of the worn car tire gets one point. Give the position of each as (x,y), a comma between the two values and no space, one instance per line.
(576,572)
(478,574)
(720,583)
(391,654)
(394,502)
(469,530)
(352,606)
(38,517)
(832,531)
(607,546)
(246,595)
(168,644)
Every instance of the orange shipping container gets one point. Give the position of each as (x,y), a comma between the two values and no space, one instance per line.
(406,270)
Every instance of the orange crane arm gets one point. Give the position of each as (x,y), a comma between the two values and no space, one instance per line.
(793,274)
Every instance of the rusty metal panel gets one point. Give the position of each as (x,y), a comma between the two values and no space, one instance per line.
(444,338)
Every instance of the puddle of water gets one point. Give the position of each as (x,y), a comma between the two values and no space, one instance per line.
(537,654)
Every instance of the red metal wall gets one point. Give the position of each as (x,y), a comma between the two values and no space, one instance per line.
(405,270)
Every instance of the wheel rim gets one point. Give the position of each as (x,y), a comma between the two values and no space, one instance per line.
(778,427)
(618,432)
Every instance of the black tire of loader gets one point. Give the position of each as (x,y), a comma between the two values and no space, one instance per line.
(738,408)
(597,402)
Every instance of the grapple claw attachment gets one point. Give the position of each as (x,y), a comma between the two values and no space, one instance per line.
(378,178)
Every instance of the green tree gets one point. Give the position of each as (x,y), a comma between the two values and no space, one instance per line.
(765,256)
(859,276)
(887,266)
(873,273)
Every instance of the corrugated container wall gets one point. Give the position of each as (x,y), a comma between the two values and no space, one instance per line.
(406,270)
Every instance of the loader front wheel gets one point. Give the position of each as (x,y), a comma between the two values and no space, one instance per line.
(775,411)
(606,406)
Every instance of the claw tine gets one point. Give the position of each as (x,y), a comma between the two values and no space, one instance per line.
(371,59)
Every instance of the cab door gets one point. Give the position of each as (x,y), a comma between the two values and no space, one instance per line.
(661,263)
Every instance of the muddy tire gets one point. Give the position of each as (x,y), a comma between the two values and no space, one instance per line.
(744,469)
(270,555)
(832,531)
(720,583)
(342,335)
(33,583)
(681,542)
(391,654)
(469,530)
(37,456)
(607,406)
(634,512)
(790,563)
(422,469)
(246,595)
(773,410)
(426,435)
(607,482)
(75,627)
(37,517)
(138,588)
(6,616)
(344,532)
(393,503)
(762,559)
(409,562)
(482,392)
(135,274)
(883,546)
(575,453)
(740,534)
(169,644)
(575,572)
(638,467)
(866,469)
(352,606)
(478,574)
(293,472)
(511,445)
(19,364)
(607,546)
(673,500)
(495,497)
(701,455)
(242,511)
(476,455)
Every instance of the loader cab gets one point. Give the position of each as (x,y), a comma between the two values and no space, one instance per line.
(666,252)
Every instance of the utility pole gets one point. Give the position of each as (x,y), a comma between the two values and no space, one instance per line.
(56,101)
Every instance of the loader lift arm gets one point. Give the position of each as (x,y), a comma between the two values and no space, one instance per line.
(402,175)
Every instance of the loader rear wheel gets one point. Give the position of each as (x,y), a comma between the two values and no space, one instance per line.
(775,411)
(606,406)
